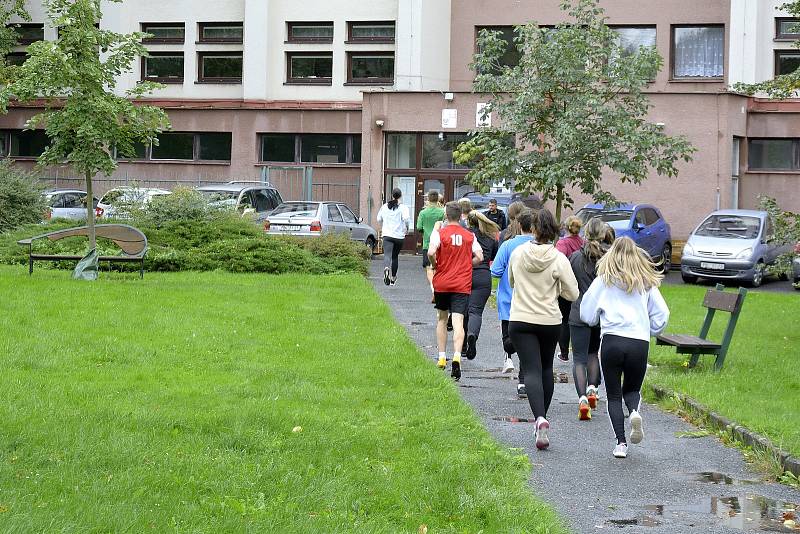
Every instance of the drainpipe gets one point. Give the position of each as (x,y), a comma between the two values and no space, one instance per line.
(718,200)
(735,192)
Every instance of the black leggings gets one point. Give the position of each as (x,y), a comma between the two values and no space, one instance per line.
(508,348)
(564,306)
(536,345)
(481,289)
(391,251)
(585,364)
(623,356)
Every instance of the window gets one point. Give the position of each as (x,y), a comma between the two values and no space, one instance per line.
(164,32)
(437,150)
(347,215)
(356,149)
(650,216)
(333,214)
(220,67)
(632,38)
(164,67)
(309,67)
(139,152)
(16,58)
(698,51)
(309,32)
(511,56)
(310,148)
(211,146)
(370,32)
(221,32)
(786,61)
(401,151)
(787,29)
(773,154)
(373,67)
(28,143)
(28,33)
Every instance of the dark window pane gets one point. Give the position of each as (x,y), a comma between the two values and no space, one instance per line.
(165,33)
(776,154)
(401,151)
(372,67)
(311,32)
(229,32)
(356,149)
(788,28)
(139,152)
(347,215)
(29,33)
(262,201)
(174,146)
(788,62)
(699,52)
(333,214)
(17,58)
(511,56)
(438,153)
(372,32)
(311,67)
(277,147)
(29,143)
(632,39)
(164,67)
(222,66)
(214,146)
(323,148)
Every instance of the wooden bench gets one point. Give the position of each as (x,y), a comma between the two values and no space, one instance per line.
(715,299)
(131,240)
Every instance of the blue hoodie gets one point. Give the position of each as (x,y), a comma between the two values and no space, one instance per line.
(500,270)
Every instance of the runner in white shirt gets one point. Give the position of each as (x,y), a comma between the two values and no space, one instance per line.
(395,223)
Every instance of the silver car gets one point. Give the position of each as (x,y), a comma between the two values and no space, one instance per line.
(67,203)
(245,197)
(731,245)
(311,219)
(796,267)
(117,201)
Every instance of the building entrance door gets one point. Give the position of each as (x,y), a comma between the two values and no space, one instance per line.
(450,187)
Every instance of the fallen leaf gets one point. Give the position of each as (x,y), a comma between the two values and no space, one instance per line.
(423,529)
(297,429)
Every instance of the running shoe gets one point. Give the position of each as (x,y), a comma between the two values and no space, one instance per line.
(386,278)
(591,396)
(522,393)
(584,411)
(472,350)
(508,366)
(542,441)
(393,281)
(455,370)
(621,450)
(563,357)
(636,427)
(442,363)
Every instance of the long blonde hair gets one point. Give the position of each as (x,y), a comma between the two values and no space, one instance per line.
(480,221)
(513,229)
(628,267)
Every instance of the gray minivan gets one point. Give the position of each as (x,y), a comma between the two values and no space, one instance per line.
(731,245)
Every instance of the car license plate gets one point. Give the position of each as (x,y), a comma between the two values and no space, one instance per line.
(287,228)
(713,266)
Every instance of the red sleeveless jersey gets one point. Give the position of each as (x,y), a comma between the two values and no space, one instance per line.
(454,260)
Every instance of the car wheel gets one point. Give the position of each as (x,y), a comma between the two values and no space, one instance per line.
(370,242)
(758,275)
(666,258)
(688,279)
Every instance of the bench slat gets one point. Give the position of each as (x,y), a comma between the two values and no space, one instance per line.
(52,257)
(686,341)
(720,300)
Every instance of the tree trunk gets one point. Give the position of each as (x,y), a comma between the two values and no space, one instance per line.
(90,212)
(559,201)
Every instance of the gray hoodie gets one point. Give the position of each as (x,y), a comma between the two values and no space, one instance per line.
(539,274)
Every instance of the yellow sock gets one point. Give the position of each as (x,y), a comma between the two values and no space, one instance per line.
(457,357)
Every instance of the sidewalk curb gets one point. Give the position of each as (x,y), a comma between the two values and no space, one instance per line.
(748,437)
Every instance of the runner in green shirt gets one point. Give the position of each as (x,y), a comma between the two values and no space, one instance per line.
(427,218)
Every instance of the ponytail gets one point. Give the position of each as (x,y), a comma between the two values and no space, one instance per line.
(396,194)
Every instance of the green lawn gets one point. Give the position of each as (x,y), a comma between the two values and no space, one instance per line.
(169,404)
(759,386)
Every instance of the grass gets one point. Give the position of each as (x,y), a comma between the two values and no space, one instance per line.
(758,386)
(215,402)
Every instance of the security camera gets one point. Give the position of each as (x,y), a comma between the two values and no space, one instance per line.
(379,123)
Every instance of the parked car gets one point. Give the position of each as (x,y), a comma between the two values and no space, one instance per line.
(67,203)
(311,219)
(641,222)
(245,197)
(120,197)
(796,267)
(731,245)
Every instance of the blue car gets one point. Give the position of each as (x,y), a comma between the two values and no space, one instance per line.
(641,222)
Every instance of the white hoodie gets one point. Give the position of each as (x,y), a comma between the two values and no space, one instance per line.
(632,315)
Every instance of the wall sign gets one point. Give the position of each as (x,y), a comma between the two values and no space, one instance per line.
(449,118)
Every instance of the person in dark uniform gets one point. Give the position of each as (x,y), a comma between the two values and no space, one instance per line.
(495,215)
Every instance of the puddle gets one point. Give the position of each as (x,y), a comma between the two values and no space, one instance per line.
(644,521)
(510,419)
(496,377)
(713,477)
(753,513)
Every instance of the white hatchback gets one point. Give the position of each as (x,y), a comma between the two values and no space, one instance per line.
(114,202)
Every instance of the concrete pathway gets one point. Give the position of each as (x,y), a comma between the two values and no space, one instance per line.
(666,485)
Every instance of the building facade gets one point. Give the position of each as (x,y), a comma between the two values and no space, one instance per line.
(375,95)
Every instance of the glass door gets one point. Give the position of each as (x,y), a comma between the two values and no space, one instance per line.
(424,186)
(406,184)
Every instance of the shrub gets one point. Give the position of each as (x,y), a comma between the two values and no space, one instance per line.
(184,204)
(21,200)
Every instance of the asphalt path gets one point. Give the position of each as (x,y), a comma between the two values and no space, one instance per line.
(671,483)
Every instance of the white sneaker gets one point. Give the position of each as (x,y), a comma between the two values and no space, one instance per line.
(621,450)
(508,366)
(636,427)
(542,428)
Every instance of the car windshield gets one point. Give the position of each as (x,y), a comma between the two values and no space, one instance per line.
(220,195)
(730,226)
(606,216)
(302,209)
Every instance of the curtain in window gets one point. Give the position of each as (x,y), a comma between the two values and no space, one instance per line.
(631,40)
(699,52)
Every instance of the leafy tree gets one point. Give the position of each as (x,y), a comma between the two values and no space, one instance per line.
(21,200)
(787,231)
(576,106)
(75,78)
(8,34)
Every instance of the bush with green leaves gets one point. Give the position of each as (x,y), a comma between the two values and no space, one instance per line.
(21,200)
(787,232)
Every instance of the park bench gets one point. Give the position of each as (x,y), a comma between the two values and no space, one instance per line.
(130,240)
(715,299)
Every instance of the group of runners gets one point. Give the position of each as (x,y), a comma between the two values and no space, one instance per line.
(596,292)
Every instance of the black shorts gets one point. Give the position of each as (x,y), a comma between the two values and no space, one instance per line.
(452,302)
(426,261)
